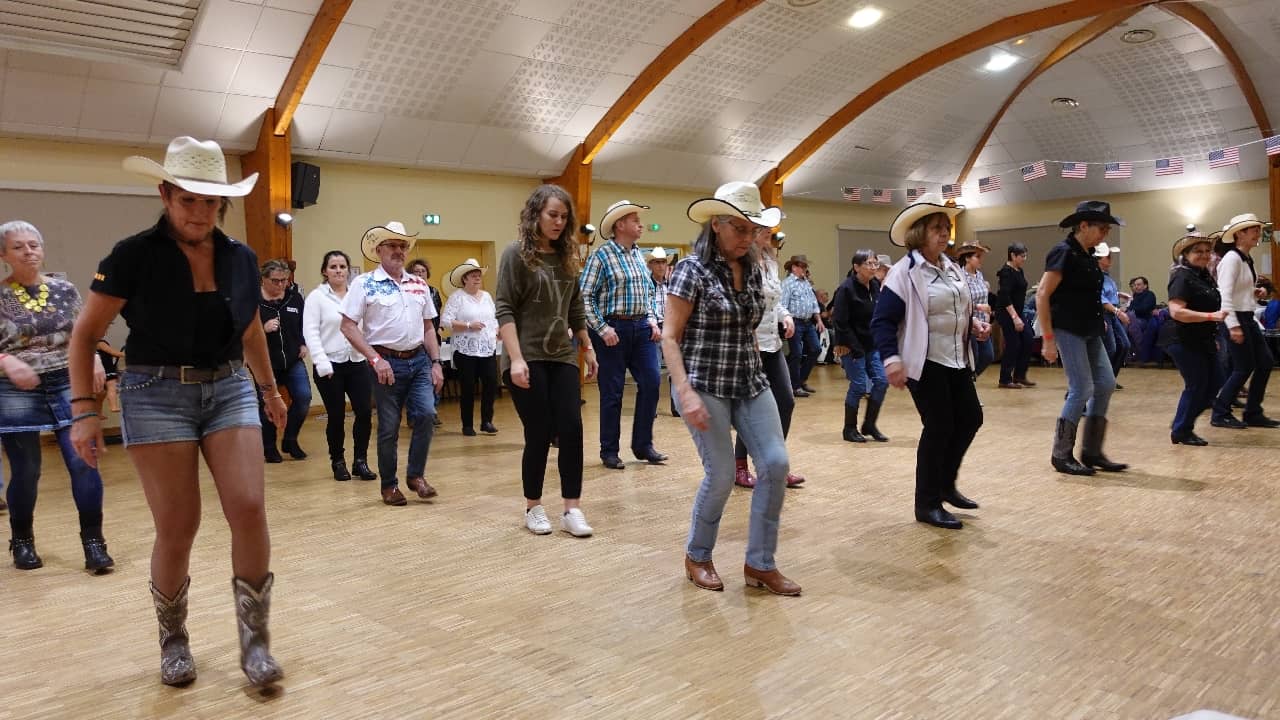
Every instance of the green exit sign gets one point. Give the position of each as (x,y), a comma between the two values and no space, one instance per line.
(430,219)
(655,227)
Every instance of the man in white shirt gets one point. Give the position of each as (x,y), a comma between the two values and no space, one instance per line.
(399,339)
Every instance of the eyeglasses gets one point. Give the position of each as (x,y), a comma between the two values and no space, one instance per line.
(750,231)
(278,281)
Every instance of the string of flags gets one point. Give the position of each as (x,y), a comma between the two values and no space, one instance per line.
(1220,158)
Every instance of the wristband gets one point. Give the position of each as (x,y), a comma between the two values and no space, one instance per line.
(1047,336)
(277,396)
(436,361)
(83,416)
(82,398)
(374,360)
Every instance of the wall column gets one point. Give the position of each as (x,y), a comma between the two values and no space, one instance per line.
(272,194)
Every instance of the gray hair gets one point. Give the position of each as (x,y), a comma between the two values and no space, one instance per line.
(271,266)
(14,227)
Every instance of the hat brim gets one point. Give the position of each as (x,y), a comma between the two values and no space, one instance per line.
(912,213)
(152,169)
(457,274)
(1074,219)
(1229,232)
(378,234)
(702,210)
(1188,241)
(605,229)
(963,250)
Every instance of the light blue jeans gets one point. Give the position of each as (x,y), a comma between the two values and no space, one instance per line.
(757,423)
(1090,381)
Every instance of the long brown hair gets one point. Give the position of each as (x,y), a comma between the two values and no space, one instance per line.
(564,246)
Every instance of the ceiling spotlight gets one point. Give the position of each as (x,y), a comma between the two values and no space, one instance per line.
(1191,227)
(587,229)
(866,17)
(1000,61)
(284,219)
(1138,36)
(1065,103)
(1020,41)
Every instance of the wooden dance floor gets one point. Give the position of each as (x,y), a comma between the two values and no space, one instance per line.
(1148,594)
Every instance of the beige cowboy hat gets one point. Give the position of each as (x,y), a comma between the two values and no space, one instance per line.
(1104,250)
(616,212)
(1238,223)
(659,254)
(926,205)
(378,234)
(193,165)
(740,199)
(1186,242)
(795,260)
(457,274)
(969,248)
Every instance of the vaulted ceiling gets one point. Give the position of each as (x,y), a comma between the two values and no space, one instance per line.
(514,86)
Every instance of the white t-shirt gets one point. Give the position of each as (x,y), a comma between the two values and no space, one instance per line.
(391,313)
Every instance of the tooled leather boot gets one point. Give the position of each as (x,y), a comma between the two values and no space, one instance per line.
(1064,445)
(253,610)
(177,667)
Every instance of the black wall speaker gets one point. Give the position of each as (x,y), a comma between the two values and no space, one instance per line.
(306,184)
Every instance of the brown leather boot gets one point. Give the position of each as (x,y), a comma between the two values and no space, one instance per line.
(702,574)
(253,610)
(177,667)
(771,580)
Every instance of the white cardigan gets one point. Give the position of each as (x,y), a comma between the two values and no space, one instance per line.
(1235,284)
(322,331)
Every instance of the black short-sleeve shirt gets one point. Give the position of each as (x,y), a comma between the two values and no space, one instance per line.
(1076,304)
(1196,288)
(151,273)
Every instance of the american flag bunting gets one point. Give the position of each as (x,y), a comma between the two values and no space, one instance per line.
(1272,144)
(1118,170)
(852,194)
(1224,158)
(988,184)
(881,196)
(1034,171)
(951,192)
(1169,166)
(1076,170)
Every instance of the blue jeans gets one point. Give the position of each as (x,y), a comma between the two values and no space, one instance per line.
(775,370)
(757,423)
(164,410)
(804,352)
(1090,381)
(866,376)
(1201,378)
(295,380)
(637,352)
(414,394)
(1250,360)
(1116,340)
(984,353)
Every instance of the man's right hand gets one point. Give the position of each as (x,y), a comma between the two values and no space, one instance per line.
(609,335)
(386,376)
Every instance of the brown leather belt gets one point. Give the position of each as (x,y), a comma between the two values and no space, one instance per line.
(398,354)
(187,374)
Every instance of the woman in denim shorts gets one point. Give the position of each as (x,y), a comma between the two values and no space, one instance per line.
(189,294)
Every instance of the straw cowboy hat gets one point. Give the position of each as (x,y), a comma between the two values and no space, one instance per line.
(616,212)
(1238,223)
(659,255)
(1091,211)
(1186,242)
(740,199)
(378,234)
(970,248)
(1104,250)
(194,166)
(927,205)
(796,260)
(457,274)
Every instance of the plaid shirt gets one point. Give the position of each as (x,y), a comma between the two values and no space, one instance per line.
(719,343)
(616,282)
(799,299)
(978,290)
(660,301)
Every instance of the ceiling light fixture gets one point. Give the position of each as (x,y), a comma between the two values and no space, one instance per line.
(1065,103)
(866,17)
(1138,36)
(1020,41)
(1000,61)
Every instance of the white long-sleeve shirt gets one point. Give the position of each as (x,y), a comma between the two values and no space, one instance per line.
(1235,284)
(462,307)
(322,331)
(774,311)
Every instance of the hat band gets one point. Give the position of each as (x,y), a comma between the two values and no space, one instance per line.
(176,176)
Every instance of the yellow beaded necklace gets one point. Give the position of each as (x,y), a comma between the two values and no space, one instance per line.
(37,304)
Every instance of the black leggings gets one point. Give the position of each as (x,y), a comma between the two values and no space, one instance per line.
(349,380)
(949,409)
(469,368)
(549,408)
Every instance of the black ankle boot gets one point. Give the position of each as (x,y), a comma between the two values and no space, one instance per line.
(292,447)
(96,559)
(851,433)
(360,468)
(340,472)
(24,554)
(869,428)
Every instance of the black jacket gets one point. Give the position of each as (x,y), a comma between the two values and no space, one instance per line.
(285,344)
(854,304)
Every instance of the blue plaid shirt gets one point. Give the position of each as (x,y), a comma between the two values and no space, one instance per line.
(798,298)
(616,281)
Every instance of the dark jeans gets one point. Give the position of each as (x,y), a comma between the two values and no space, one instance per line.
(804,352)
(1201,378)
(1017,348)
(949,410)
(1115,338)
(1251,361)
(984,353)
(775,370)
(23,450)
(637,352)
(351,380)
(548,409)
(413,394)
(294,379)
(469,368)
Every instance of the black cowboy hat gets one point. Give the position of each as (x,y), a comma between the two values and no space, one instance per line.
(1091,211)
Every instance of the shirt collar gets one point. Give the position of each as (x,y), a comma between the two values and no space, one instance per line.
(380,275)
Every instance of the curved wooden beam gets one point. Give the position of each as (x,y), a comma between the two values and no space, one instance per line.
(323,26)
(1078,39)
(681,48)
(1000,31)
(1205,24)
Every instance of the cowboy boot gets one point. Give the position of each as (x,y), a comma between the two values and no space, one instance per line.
(1064,444)
(851,433)
(1095,431)
(96,559)
(869,428)
(253,610)
(177,667)
(742,476)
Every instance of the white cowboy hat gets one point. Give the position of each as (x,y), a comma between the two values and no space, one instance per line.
(926,205)
(1104,250)
(659,254)
(194,166)
(457,274)
(741,199)
(1238,223)
(378,234)
(616,212)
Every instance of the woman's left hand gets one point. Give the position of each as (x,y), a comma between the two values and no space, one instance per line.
(99,376)
(981,330)
(276,411)
(897,375)
(788,327)
(86,439)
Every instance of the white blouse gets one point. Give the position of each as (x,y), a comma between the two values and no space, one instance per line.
(949,311)
(767,336)
(462,307)
(322,331)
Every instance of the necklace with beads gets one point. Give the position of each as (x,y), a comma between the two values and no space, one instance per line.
(37,304)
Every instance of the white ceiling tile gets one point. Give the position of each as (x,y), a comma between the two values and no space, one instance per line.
(529,151)
(119,106)
(1217,77)
(187,112)
(489,71)
(279,32)
(766,85)
(351,131)
(546,10)
(369,13)
(489,147)
(1224,98)
(347,46)
(517,35)
(1204,59)
(468,105)
(561,150)
(206,68)
(709,139)
(667,27)
(794,62)
(38,98)
(609,89)
(310,7)
(228,24)
(260,75)
(125,73)
(636,58)
(109,136)
(400,138)
(309,123)
(241,120)
(733,113)
(15,128)
(994,155)
(446,143)
(584,120)
(326,85)
(53,64)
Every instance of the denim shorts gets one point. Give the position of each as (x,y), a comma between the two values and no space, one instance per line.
(163,410)
(47,406)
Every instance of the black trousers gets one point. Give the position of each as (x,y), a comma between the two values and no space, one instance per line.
(1250,361)
(949,409)
(469,368)
(1017,348)
(349,380)
(549,408)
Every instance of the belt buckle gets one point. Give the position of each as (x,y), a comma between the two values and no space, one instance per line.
(182,375)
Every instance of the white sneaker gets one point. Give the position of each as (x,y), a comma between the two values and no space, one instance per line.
(535,518)
(575,523)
